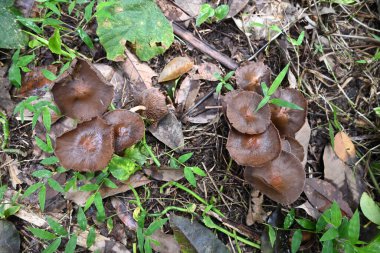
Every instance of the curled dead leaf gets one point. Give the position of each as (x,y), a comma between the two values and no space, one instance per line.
(344,148)
(206,71)
(164,173)
(256,212)
(175,68)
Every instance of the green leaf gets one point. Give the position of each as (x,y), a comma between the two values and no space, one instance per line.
(228,86)
(42,233)
(42,173)
(3,189)
(50,160)
(71,244)
(275,28)
(56,227)
(89,187)
(377,111)
(277,82)
(154,226)
(11,210)
(122,168)
(42,197)
(109,225)
(140,22)
(86,39)
(23,61)
(53,8)
(35,118)
(91,237)
(31,189)
(89,202)
(42,145)
(296,240)
(71,6)
(221,11)
(12,36)
(46,118)
(205,12)
(284,103)
(53,247)
(81,219)
(262,103)
(29,23)
(228,76)
(272,235)
(289,219)
(55,185)
(198,171)
(370,209)
(189,175)
(55,42)
(88,11)
(345,2)
(329,235)
(14,75)
(101,215)
(135,153)
(109,183)
(372,247)
(49,75)
(185,157)
(354,228)
(264,88)
(305,223)
(336,214)
(331,135)
(328,247)
(219,88)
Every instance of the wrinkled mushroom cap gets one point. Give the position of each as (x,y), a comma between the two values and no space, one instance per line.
(254,150)
(128,128)
(155,104)
(250,76)
(242,116)
(282,180)
(89,147)
(82,92)
(289,121)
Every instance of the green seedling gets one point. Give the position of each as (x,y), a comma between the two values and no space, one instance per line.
(299,41)
(5,123)
(223,81)
(189,171)
(7,209)
(268,92)
(208,14)
(19,64)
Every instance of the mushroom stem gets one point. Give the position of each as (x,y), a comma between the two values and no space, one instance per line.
(137,108)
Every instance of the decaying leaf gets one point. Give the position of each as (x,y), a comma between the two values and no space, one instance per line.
(236,6)
(124,213)
(193,237)
(205,112)
(187,94)
(256,212)
(350,183)
(175,68)
(9,237)
(344,148)
(169,132)
(164,173)
(191,7)
(172,12)
(207,71)
(13,170)
(322,193)
(303,137)
(136,180)
(310,210)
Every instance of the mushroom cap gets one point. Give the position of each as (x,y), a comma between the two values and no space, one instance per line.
(289,121)
(242,116)
(250,76)
(295,148)
(155,104)
(254,150)
(89,147)
(282,179)
(128,128)
(82,92)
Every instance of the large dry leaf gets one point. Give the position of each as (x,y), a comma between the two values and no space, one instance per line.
(310,210)
(322,193)
(172,12)
(206,71)
(164,173)
(256,212)
(175,68)
(344,148)
(124,213)
(187,94)
(13,170)
(303,137)
(191,7)
(350,183)
(169,132)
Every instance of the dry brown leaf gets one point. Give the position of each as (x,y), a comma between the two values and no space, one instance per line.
(350,183)
(136,180)
(124,214)
(175,68)
(310,210)
(191,7)
(206,71)
(292,80)
(303,137)
(344,148)
(172,12)
(205,112)
(106,70)
(236,6)
(187,94)
(164,173)
(256,212)
(13,171)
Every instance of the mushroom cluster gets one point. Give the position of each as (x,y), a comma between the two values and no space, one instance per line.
(83,94)
(263,140)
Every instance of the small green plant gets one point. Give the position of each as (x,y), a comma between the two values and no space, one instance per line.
(299,40)
(377,111)
(7,209)
(19,64)
(268,92)
(223,81)
(189,171)
(5,123)
(208,14)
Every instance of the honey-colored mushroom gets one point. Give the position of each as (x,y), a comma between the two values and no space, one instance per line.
(249,77)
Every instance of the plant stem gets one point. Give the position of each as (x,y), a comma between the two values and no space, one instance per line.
(170,208)
(154,158)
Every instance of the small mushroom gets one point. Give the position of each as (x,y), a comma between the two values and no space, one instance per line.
(295,148)
(282,179)
(155,104)
(241,113)
(254,150)
(128,128)
(89,147)
(82,92)
(250,76)
(289,121)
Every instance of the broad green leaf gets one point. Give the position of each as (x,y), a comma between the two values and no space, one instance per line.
(71,6)
(53,246)
(89,202)
(205,12)
(49,160)
(377,111)
(353,231)
(283,103)
(46,118)
(81,219)
(23,61)
(296,240)
(329,235)
(12,37)
(228,75)
(55,42)
(305,223)
(55,185)
(370,209)
(42,145)
(336,214)
(228,86)
(56,227)
(221,11)
(135,153)
(29,23)
(86,39)
(122,168)
(198,171)
(262,103)
(189,175)
(14,75)
(35,118)
(348,248)
(42,197)
(88,11)
(140,22)
(372,247)
(71,244)
(31,189)
(185,157)
(109,183)
(91,237)
(11,211)
(49,75)
(42,173)
(277,82)
(101,214)
(219,88)
(155,225)
(53,8)
(289,219)
(272,235)
(327,246)
(147,247)
(42,233)
(89,187)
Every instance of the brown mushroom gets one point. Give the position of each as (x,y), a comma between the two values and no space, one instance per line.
(155,104)
(295,148)
(128,128)
(250,76)
(289,121)
(89,147)
(254,150)
(242,115)
(82,92)
(282,179)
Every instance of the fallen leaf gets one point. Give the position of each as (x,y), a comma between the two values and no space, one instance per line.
(164,173)
(169,132)
(6,102)
(303,137)
(236,6)
(322,193)
(206,71)
(61,126)
(78,197)
(191,7)
(344,148)
(124,214)
(310,210)
(256,212)
(106,70)
(350,183)
(172,12)
(13,170)
(193,237)
(175,68)
(9,237)
(206,112)
(187,94)
(292,80)
(370,209)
